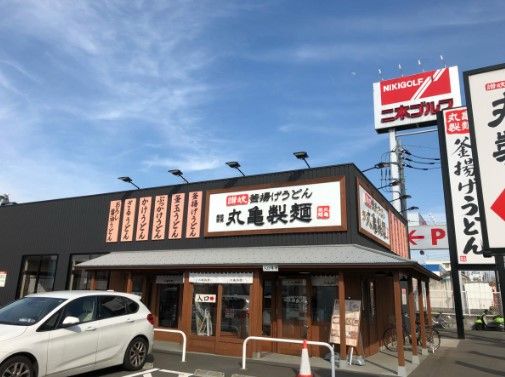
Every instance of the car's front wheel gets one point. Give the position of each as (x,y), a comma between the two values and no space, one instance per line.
(17,366)
(135,355)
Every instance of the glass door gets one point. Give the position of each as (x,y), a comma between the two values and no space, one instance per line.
(294,308)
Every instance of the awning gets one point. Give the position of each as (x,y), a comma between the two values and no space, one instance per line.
(349,255)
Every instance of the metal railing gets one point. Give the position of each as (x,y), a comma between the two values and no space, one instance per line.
(184,340)
(295,341)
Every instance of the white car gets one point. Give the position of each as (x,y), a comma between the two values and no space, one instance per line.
(71,332)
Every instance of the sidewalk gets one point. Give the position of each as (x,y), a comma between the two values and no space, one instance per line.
(383,363)
(481,354)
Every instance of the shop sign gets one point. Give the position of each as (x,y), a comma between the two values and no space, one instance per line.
(462,205)
(194,214)
(176,216)
(398,236)
(414,100)
(324,280)
(128,219)
(169,279)
(206,298)
(308,206)
(144,218)
(3,278)
(352,318)
(224,278)
(159,217)
(373,217)
(270,268)
(113,221)
(485,92)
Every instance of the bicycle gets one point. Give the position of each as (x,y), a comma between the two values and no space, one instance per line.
(390,339)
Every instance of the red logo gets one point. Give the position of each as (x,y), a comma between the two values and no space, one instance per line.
(462,258)
(323,212)
(495,85)
(456,121)
(237,200)
(415,87)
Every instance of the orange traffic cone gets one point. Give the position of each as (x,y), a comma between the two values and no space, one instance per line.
(305,363)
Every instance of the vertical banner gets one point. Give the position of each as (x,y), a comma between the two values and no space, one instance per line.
(459,171)
(128,220)
(373,217)
(352,318)
(159,217)
(485,93)
(113,221)
(144,218)
(176,216)
(194,216)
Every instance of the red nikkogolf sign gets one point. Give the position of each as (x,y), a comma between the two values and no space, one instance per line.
(415,100)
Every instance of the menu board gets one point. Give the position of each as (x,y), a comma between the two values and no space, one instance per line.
(352,318)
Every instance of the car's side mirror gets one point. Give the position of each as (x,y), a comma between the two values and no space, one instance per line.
(70,321)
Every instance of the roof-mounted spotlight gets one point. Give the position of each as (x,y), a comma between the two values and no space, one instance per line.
(235,165)
(302,155)
(410,209)
(128,180)
(178,173)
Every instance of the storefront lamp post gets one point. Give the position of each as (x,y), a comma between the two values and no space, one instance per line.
(235,165)
(128,180)
(178,173)
(302,155)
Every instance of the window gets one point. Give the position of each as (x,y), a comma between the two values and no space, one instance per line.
(267,307)
(204,309)
(37,274)
(83,308)
(169,305)
(112,306)
(29,310)
(81,279)
(235,310)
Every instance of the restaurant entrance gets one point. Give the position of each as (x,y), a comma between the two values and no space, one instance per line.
(298,306)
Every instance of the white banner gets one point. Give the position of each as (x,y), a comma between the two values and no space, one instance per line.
(373,217)
(463,190)
(486,90)
(310,207)
(221,278)
(427,237)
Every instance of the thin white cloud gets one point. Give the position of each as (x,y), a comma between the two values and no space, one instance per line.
(147,72)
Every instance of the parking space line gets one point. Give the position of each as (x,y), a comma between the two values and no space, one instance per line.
(144,373)
(179,374)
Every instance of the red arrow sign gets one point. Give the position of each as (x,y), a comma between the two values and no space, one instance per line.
(412,237)
(499,205)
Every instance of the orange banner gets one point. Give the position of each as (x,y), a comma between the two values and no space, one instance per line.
(176,216)
(159,217)
(113,222)
(194,216)
(128,219)
(144,218)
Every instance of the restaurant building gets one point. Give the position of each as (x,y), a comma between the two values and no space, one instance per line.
(221,260)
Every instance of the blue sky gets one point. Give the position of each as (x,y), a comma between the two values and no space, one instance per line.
(90,91)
